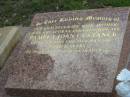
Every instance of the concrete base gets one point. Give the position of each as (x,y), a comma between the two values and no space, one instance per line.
(8,38)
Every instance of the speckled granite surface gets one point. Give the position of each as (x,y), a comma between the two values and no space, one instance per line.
(59,74)
(4,72)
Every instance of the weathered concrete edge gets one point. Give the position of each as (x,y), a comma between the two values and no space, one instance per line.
(8,44)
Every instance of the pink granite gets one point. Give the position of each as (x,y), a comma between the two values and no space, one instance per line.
(66,74)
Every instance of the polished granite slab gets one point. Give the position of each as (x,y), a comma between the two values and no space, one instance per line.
(45,67)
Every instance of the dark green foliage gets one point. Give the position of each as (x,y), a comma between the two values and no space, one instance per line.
(115,3)
(20,12)
(106,3)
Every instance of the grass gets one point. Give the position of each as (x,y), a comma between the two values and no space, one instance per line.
(20,12)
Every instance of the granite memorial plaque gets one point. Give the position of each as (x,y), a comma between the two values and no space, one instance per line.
(8,38)
(69,53)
